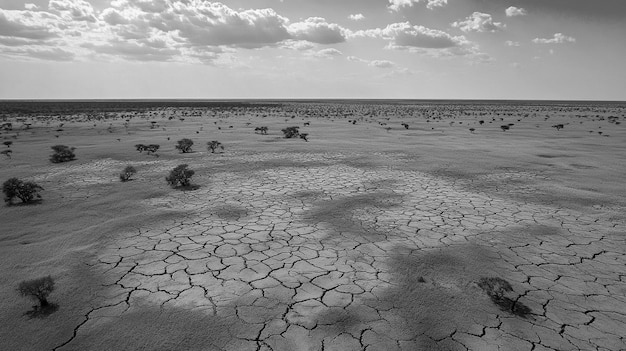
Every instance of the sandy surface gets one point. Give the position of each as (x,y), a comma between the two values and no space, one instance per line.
(361,239)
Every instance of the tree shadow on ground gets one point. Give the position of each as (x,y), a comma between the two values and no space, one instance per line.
(42,312)
(190,187)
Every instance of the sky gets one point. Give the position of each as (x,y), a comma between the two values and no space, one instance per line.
(385,49)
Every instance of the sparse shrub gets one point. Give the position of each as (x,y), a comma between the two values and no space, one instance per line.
(25,191)
(180,176)
(291,132)
(558,126)
(8,143)
(152,148)
(505,127)
(213,145)
(495,287)
(406,126)
(127,173)
(184,145)
(140,147)
(472,130)
(303,136)
(262,130)
(37,289)
(62,153)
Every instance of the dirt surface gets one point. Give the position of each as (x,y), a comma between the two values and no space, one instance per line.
(370,236)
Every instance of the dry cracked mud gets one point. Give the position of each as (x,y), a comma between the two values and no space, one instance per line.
(336,257)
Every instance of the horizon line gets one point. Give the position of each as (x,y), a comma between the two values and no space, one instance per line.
(296,99)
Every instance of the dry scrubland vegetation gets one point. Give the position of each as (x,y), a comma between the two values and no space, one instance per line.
(356,169)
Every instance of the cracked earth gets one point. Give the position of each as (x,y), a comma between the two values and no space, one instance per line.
(336,257)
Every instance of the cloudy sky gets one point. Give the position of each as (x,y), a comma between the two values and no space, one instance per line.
(420,49)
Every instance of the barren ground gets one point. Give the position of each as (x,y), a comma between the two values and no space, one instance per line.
(362,238)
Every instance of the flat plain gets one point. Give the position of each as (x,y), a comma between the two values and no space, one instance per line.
(371,235)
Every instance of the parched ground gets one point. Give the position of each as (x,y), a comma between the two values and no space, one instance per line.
(299,246)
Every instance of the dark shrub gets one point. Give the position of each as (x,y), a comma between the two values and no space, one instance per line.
(291,132)
(127,173)
(25,191)
(180,176)
(37,289)
(184,145)
(152,148)
(62,153)
(213,145)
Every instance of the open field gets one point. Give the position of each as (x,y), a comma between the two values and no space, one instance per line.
(370,236)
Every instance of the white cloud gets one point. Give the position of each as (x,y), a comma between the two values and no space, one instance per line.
(479,22)
(328,53)
(317,30)
(404,35)
(49,54)
(299,45)
(30,6)
(558,38)
(77,10)
(381,64)
(515,11)
(30,25)
(373,63)
(396,5)
(357,17)
(511,43)
(134,51)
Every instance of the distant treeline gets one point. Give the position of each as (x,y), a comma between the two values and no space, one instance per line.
(52,107)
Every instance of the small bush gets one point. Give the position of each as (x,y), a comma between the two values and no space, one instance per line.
(37,289)
(184,145)
(127,173)
(152,148)
(291,132)
(140,147)
(180,176)
(495,287)
(213,145)
(25,191)
(62,153)
(8,143)
(262,130)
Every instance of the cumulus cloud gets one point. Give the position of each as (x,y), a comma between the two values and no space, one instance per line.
(77,10)
(161,29)
(511,43)
(373,63)
(396,5)
(133,51)
(515,11)
(381,64)
(328,53)
(479,22)
(357,17)
(317,30)
(54,54)
(405,35)
(28,25)
(30,6)
(558,38)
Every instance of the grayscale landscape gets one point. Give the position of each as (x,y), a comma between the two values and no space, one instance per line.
(403,225)
(313,175)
